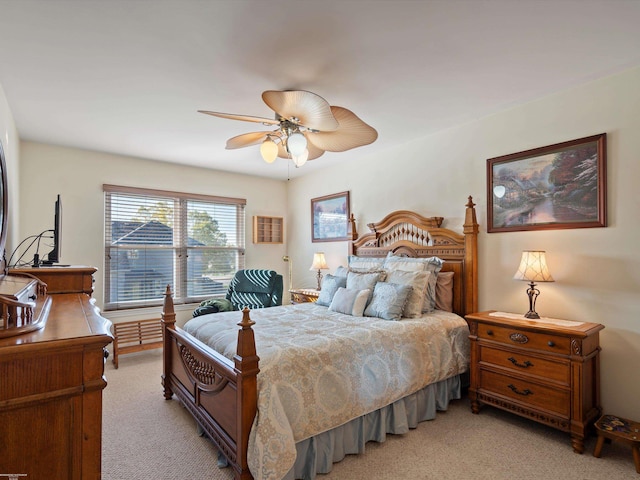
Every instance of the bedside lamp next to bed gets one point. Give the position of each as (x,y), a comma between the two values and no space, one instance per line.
(533,268)
(319,263)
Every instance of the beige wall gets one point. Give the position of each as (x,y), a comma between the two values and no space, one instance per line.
(597,270)
(78,175)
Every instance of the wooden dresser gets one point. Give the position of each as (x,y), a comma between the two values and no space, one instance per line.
(546,370)
(71,279)
(51,383)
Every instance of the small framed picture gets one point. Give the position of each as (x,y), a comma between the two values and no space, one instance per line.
(553,187)
(330,218)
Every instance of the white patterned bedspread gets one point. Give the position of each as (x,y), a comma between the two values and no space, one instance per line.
(321,369)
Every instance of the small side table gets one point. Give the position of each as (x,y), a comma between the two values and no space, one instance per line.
(304,295)
(620,430)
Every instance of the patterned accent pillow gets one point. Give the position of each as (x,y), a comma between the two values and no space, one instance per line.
(444,291)
(418,282)
(350,302)
(330,285)
(388,301)
(430,264)
(364,281)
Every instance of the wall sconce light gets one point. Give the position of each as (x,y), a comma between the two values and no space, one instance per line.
(533,268)
(319,263)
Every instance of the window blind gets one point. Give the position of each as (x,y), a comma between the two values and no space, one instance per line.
(153,238)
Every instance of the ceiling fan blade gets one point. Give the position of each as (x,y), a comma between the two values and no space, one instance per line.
(352,133)
(244,118)
(302,108)
(314,152)
(246,140)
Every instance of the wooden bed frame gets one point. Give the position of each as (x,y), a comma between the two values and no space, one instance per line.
(222,394)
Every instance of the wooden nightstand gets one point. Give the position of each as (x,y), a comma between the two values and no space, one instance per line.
(304,295)
(546,370)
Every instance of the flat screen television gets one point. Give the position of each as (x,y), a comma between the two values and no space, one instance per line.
(54,255)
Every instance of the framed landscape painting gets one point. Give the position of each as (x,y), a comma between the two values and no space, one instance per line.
(558,186)
(330,218)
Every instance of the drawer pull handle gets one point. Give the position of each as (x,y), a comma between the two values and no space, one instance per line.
(514,389)
(526,363)
(489,332)
(519,337)
(551,343)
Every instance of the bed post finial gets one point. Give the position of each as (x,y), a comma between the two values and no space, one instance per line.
(168,315)
(353,234)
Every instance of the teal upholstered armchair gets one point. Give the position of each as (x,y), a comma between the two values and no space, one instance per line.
(255,288)
(248,288)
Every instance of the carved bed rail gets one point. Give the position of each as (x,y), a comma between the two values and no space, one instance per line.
(221,394)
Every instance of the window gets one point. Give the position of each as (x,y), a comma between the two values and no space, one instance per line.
(154,238)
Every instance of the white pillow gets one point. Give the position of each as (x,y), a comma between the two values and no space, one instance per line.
(365,263)
(349,301)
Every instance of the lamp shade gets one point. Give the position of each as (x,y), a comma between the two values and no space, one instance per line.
(533,267)
(269,150)
(296,144)
(300,160)
(319,262)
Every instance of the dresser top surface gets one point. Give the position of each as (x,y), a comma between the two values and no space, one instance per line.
(558,326)
(72,317)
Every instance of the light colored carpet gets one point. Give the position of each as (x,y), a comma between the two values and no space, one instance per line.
(147,437)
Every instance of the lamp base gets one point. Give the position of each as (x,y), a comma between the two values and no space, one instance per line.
(531,314)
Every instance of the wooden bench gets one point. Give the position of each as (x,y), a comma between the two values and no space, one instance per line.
(620,430)
(136,336)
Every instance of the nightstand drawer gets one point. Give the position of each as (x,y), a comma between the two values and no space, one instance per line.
(535,395)
(526,364)
(524,339)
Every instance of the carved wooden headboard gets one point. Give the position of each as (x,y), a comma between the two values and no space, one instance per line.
(410,234)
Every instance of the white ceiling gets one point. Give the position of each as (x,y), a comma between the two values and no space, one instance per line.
(127,77)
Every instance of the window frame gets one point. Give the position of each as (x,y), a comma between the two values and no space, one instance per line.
(179,246)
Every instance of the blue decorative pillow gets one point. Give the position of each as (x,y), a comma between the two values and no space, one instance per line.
(330,285)
(364,281)
(349,302)
(388,301)
(430,264)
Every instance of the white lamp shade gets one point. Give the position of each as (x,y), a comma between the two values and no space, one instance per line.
(296,144)
(533,267)
(269,150)
(319,262)
(300,160)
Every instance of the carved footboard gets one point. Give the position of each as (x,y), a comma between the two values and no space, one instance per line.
(221,394)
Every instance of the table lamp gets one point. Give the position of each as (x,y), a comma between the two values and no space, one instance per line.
(319,263)
(533,268)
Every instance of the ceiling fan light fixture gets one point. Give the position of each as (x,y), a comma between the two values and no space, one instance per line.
(296,144)
(269,150)
(300,160)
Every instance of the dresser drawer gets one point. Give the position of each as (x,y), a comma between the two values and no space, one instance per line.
(523,363)
(524,339)
(539,396)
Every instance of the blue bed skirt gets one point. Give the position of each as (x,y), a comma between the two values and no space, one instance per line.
(318,454)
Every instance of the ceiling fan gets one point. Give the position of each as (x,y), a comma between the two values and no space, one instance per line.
(306,127)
